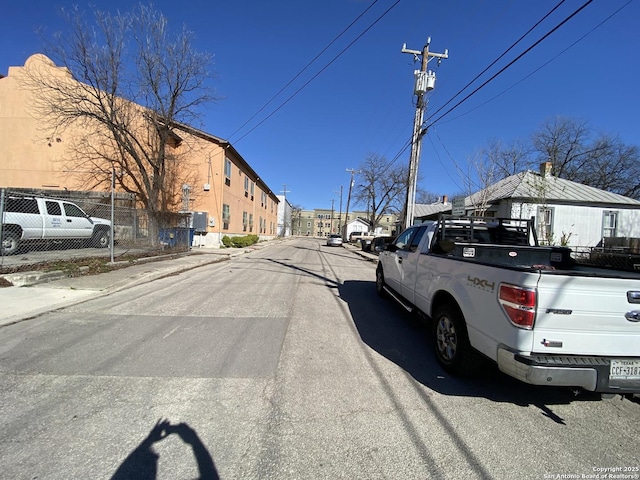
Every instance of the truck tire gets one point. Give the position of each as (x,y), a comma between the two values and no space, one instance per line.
(100,238)
(10,243)
(380,282)
(451,342)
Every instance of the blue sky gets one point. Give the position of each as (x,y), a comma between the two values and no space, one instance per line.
(357,98)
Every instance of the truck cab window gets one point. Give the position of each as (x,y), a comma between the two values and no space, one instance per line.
(22,205)
(415,240)
(53,208)
(404,238)
(72,210)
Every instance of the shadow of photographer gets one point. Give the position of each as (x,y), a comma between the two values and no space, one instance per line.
(142,462)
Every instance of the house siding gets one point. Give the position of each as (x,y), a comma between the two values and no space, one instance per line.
(583,224)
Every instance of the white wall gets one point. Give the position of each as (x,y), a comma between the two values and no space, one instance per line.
(356,226)
(584,224)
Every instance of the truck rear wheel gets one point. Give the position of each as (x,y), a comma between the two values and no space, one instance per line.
(451,342)
(10,243)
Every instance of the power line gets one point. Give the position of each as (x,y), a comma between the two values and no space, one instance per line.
(513,45)
(321,70)
(304,69)
(408,143)
(545,63)
(502,70)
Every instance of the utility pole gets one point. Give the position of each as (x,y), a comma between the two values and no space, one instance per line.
(284,190)
(331,228)
(340,215)
(424,82)
(346,215)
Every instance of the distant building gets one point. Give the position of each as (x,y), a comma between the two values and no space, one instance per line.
(284,217)
(322,222)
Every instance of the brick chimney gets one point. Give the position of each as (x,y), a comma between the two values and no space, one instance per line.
(545,169)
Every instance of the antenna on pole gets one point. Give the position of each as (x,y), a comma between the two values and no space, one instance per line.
(285,191)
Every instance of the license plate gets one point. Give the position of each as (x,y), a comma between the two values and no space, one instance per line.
(624,370)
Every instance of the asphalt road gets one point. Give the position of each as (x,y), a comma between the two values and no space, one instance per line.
(280,364)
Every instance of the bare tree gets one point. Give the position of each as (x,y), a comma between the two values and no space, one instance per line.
(615,167)
(129,89)
(381,187)
(562,141)
(483,171)
(509,159)
(426,197)
(605,163)
(296,219)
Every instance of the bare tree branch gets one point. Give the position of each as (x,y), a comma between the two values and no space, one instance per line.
(124,88)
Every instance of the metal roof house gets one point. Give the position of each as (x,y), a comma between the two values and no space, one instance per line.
(566,212)
(431,211)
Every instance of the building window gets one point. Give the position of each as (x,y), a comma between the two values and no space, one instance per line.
(227,171)
(226,216)
(246,187)
(308,224)
(245,221)
(253,185)
(610,224)
(545,225)
(251,222)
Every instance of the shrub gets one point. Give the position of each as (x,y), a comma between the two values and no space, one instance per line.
(240,242)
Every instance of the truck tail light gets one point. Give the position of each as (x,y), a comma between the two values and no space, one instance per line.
(519,304)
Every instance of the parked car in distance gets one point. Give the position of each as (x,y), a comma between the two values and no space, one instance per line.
(379,244)
(334,240)
(355,236)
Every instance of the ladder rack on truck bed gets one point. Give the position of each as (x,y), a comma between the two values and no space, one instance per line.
(498,231)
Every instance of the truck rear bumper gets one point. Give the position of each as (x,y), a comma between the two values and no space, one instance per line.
(589,373)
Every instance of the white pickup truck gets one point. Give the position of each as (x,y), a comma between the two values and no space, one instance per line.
(488,288)
(28,220)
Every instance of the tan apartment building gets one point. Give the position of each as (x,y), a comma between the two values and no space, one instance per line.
(323,222)
(219,188)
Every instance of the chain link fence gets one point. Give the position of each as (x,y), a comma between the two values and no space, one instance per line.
(46,229)
(614,258)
